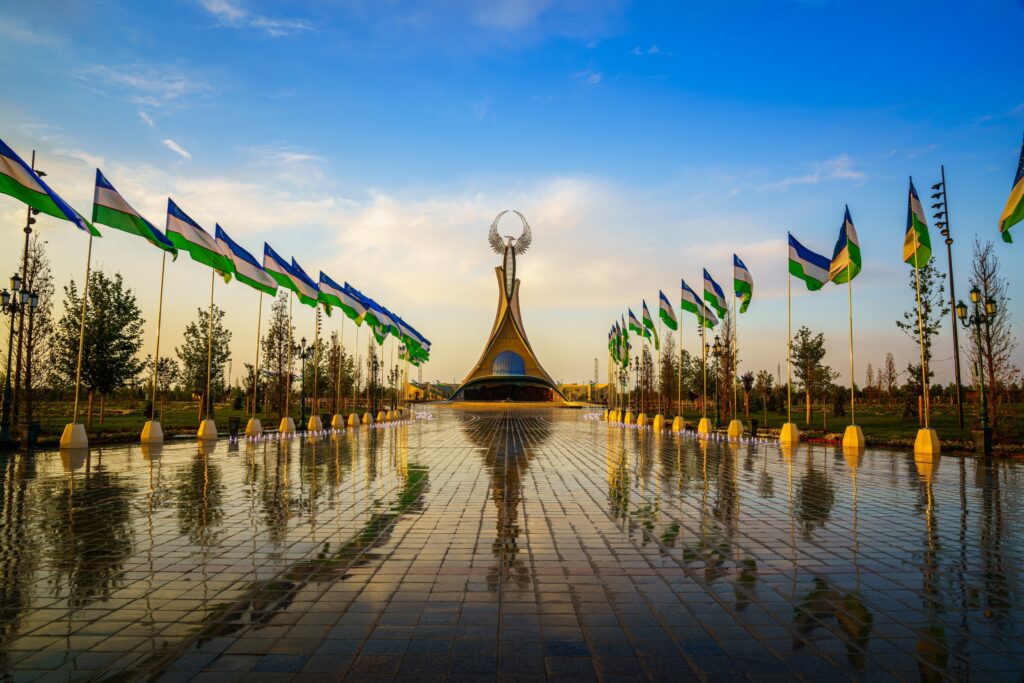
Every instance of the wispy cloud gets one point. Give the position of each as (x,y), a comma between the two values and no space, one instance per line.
(234,15)
(640,52)
(177,149)
(147,119)
(144,85)
(590,77)
(837,168)
(86,158)
(16,32)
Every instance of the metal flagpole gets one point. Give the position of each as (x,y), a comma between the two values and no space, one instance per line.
(920,332)
(704,356)
(316,365)
(679,372)
(81,330)
(356,369)
(159,316)
(661,331)
(288,387)
(735,355)
(209,344)
(341,359)
(849,305)
(256,367)
(789,348)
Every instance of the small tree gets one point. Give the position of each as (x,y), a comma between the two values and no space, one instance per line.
(763,387)
(111,341)
(869,384)
(813,374)
(167,376)
(196,348)
(747,380)
(888,377)
(925,327)
(277,355)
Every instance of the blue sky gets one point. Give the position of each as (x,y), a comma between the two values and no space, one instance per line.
(376,140)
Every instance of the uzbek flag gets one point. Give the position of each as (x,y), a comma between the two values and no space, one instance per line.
(333,294)
(368,304)
(307,292)
(1014,211)
(18,180)
(248,270)
(625,342)
(634,324)
(650,331)
(689,301)
(185,234)
(742,283)
(667,312)
(714,294)
(809,266)
(287,277)
(110,208)
(846,261)
(916,235)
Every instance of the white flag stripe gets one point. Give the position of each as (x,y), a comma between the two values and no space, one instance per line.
(12,168)
(194,236)
(811,270)
(113,200)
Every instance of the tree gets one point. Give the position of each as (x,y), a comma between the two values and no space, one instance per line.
(111,340)
(763,387)
(932,311)
(869,385)
(39,329)
(277,355)
(668,372)
(996,339)
(199,347)
(808,354)
(747,380)
(167,377)
(888,377)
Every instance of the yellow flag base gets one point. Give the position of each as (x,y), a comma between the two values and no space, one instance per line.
(337,421)
(315,424)
(74,436)
(927,442)
(735,429)
(852,456)
(152,432)
(704,427)
(658,424)
(381,416)
(151,451)
(641,420)
(287,426)
(788,449)
(853,437)
(353,420)
(254,427)
(628,419)
(615,416)
(789,433)
(390,416)
(678,424)
(207,430)
(927,465)
(367,418)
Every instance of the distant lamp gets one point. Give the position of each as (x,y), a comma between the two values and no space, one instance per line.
(33,301)
(5,297)
(24,297)
(975,295)
(961,311)
(990,307)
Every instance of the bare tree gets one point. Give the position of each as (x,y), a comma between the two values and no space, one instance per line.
(888,376)
(39,323)
(869,385)
(996,341)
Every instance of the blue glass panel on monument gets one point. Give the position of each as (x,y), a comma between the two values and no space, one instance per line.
(508,363)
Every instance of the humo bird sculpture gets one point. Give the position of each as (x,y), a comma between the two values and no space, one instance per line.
(510,247)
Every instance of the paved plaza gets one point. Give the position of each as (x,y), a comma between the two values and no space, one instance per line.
(513,544)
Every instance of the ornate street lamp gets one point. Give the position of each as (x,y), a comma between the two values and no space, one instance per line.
(976,320)
(12,302)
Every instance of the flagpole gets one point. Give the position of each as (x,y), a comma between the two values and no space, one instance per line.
(81,330)
(704,356)
(256,367)
(679,371)
(159,316)
(735,355)
(661,331)
(920,331)
(789,348)
(288,389)
(849,305)
(316,365)
(341,359)
(209,344)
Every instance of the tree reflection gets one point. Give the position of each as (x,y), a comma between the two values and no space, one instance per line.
(815,496)
(199,495)
(18,549)
(824,602)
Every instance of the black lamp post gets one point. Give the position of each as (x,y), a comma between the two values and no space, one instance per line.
(303,354)
(716,350)
(976,320)
(942,222)
(373,380)
(12,302)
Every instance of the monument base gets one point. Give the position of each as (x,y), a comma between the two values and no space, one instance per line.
(74,436)
(927,442)
(382,416)
(207,430)
(704,426)
(641,420)
(367,418)
(735,429)
(254,427)
(628,419)
(337,421)
(315,424)
(152,432)
(678,424)
(287,426)
(853,437)
(658,424)
(789,433)
(353,420)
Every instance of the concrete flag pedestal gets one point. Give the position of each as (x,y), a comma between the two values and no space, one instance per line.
(381,416)
(628,419)
(337,421)
(74,436)
(152,432)
(253,427)
(641,420)
(678,424)
(735,429)
(367,418)
(353,420)
(315,424)
(789,433)
(853,437)
(287,426)
(658,424)
(704,426)
(207,430)
(927,442)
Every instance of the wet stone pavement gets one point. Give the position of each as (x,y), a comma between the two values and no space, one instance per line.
(508,544)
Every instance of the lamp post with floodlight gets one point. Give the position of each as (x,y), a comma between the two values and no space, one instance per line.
(12,302)
(976,319)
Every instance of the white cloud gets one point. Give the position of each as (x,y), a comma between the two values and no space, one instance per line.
(589,76)
(234,15)
(144,85)
(88,159)
(147,119)
(837,168)
(14,31)
(176,148)
(653,50)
